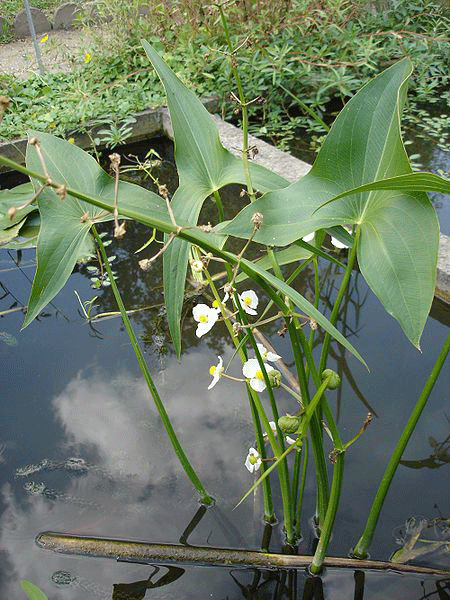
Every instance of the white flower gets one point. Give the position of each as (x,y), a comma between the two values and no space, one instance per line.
(337,244)
(249,301)
(271,356)
(290,440)
(216,371)
(252,371)
(309,237)
(205,317)
(253,460)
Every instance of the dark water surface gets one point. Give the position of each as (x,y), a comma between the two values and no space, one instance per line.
(82,449)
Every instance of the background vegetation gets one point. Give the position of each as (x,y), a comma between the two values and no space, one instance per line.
(293,55)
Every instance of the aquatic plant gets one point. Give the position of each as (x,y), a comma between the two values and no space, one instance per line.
(361,181)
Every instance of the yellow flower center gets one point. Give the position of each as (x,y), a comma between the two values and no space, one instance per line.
(259,375)
(253,459)
(215,304)
(247,301)
(212,370)
(203,319)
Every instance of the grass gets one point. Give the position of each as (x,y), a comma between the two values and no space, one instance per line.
(319,51)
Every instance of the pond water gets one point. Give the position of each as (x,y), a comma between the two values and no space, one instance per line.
(82,449)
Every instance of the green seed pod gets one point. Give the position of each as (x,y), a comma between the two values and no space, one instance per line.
(289,424)
(274,378)
(335,380)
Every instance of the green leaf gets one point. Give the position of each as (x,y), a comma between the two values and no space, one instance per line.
(284,257)
(147,208)
(204,166)
(65,224)
(32,591)
(411,182)
(15,198)
(399,237)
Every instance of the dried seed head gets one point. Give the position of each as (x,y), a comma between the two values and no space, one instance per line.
(11,212)
(163,191)
(313,324)
(237,328)
(144,264)
(119,230)
(61,191)
(257,219)
(115,161)
(228,288)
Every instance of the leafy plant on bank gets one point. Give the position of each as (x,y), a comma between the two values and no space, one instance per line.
(312,57)
(361,179)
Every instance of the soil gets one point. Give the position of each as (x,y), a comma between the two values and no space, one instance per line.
(60,52)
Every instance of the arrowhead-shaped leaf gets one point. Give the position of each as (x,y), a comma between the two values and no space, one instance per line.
(65,224)
(204,166)
(399,238)
(145,207)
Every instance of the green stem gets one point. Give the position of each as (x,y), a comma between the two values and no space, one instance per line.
(327,526)
(301,348)
(245,159)
(283,470)
(219,204)
(340,296)
(360,550)
(269,512)
(299,497)
(204,496)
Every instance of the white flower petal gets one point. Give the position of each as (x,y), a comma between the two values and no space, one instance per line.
(199,310)
(337,244)
(265,355)
(249,301)
(257,384)
(250,368)
(253,460)
(309,237)
(218,370)
(205,317)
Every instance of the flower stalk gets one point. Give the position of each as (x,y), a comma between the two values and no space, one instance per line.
(188,469)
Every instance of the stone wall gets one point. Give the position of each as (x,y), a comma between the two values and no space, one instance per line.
(64,17)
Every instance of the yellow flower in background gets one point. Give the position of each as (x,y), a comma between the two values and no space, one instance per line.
(44,39)
(87,58)
(71,140)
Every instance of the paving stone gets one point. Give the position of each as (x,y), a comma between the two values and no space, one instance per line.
(65,15)
(40,21)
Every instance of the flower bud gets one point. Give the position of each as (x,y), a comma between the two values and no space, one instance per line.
(335,380)
(274,378)
(289,424)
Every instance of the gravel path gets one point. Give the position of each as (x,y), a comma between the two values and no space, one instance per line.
(59,53)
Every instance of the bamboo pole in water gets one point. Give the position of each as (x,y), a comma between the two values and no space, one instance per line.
(124,550)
